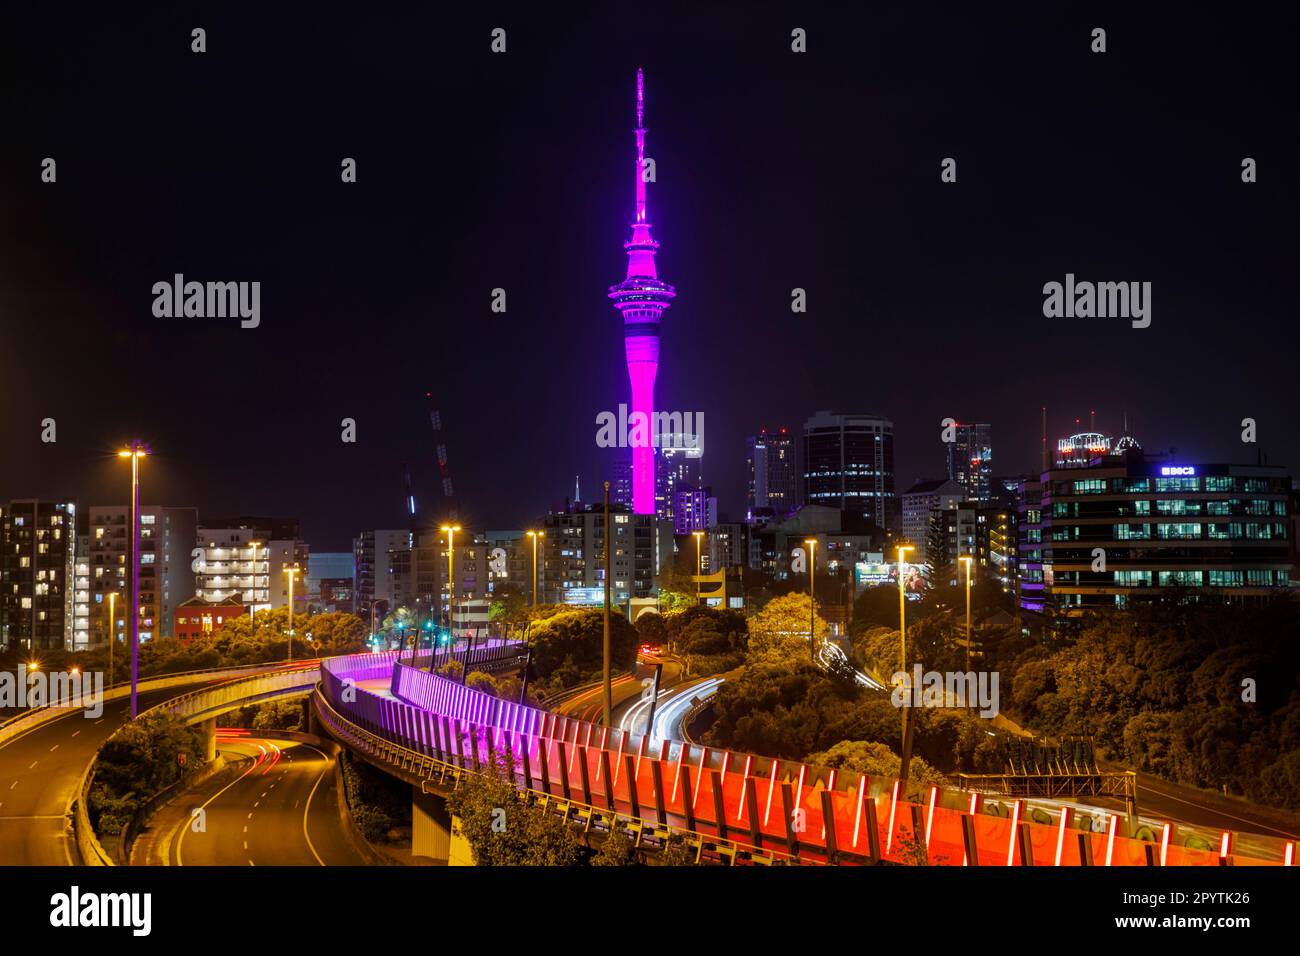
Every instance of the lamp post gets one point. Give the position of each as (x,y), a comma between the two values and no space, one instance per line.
(135,452)
(535,535)
(292,572)
(609,535)
(812,604)
(699,564)
(902,666)
(902,612)
(967,561)
(112,632)
(451,530)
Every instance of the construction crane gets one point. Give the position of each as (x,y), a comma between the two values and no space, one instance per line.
(440,448)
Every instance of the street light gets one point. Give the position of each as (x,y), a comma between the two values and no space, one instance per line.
(135,452)
(535,535)
(967,561)
(902,613)
(902,666)
(699,564)
(293,573)
(812,628)
(451,530)
(112,633)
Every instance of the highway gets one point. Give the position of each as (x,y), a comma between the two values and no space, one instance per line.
(282,810)
(41,770)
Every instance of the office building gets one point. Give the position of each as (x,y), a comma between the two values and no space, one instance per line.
(848,462)
(970,460)
(773,473)
(1205,530)
(919,502)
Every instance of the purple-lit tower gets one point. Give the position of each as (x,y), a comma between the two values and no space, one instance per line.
(641,299)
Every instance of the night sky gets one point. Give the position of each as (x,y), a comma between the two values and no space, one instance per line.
(774,170)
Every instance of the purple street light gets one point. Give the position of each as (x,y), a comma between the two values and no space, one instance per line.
(641,299)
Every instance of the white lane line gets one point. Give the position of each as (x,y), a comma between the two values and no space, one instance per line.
(264,793)
(75,732)
(185,829)
(256,804)
(54,748)
(307,809)
(14,784)
(245,827)
(250,816)
(98,722)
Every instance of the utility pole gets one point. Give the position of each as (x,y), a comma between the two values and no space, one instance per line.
(609,691)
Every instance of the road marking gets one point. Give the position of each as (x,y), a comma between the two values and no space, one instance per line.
(33,764)
(251,863)
(256,804)
(14,784)
(75,732)
(54,748)
(245,827)
(100,721)
(250,816)
(185,828)
(245,844)
(263,793)
(307,809)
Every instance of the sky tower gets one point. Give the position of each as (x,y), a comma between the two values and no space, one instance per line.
(641,299)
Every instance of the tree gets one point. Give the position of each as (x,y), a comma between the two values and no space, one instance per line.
(504,830)
(573,641)
(875,760)
(778,634)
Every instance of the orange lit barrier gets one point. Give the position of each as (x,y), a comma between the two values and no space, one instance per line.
(813,814)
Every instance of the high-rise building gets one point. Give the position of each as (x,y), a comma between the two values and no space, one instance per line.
(848,464)
(953,534)
(246,560)
(773,473)
(375,553)
(1129,526)
(641,299)
(38,541)
(970,460)
(694,509)
(574,556)
(919,502)
(168,538)
(679,461)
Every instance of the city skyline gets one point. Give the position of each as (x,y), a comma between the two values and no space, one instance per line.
(367,305)
(899,471)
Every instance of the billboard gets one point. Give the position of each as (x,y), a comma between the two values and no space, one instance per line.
(869,574)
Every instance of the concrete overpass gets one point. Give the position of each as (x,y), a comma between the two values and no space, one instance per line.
(735,807)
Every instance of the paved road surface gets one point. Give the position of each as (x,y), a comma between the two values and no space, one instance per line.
(41,770)
(283,810)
